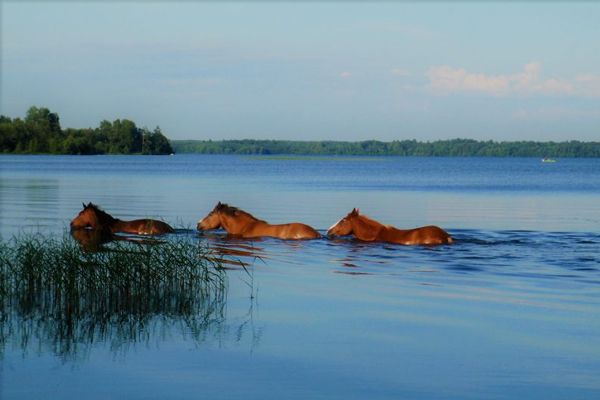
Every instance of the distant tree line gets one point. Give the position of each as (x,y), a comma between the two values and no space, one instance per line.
(40,132)
(441,148)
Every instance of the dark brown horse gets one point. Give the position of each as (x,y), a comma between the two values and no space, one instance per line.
(92,217)
(240,223)
(370,230)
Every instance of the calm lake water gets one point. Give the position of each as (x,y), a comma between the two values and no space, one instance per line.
(511,310)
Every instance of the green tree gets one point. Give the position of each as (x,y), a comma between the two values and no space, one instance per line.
(155,142)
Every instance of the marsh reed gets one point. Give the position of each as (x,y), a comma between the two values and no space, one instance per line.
(56,293)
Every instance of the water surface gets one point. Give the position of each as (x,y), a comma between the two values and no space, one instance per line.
(511,310)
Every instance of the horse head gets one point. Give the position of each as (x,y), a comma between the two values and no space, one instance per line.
(344,226)
(212,220)
(92,217)
(232,219)
(87,218)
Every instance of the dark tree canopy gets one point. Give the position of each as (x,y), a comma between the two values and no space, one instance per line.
(439,148)
(40,132)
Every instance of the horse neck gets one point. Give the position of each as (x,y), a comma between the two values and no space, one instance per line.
(365,228)
(235,224)
(107,221)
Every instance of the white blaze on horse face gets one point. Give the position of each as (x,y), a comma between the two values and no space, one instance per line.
(202,223)
(334,225)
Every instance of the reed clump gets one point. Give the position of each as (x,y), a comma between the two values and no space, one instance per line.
(57,293)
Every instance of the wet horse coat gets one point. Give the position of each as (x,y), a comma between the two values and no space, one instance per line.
(370,230)
(240,223)
(92,217)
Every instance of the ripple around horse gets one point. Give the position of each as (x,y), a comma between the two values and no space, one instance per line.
(370,230)
(92,217)
(240,223)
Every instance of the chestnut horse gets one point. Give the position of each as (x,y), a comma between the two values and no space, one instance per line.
(92,217)
(370,230)
(240,223)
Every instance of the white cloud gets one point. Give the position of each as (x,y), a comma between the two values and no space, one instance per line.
(445,79)
(588,84)
(399,72)
(345,74)
(554,113)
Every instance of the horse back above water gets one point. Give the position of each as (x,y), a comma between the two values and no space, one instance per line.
(243,224)
(93,217)
(369,230)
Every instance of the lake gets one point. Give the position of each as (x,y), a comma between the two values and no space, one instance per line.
(510,310)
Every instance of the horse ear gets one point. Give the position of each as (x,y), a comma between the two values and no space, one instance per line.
(83,204)
(354,212)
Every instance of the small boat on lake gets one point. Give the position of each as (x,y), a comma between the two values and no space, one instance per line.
(548,160)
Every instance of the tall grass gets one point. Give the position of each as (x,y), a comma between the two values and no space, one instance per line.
(55,294)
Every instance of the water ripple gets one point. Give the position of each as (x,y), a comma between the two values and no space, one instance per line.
(480,254)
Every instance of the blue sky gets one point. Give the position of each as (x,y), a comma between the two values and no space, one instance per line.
(310,70)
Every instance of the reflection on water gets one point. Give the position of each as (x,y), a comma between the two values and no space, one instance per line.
(235,251)
(487,254)
(91,240)
(484,255)
(510,310)
(120,294)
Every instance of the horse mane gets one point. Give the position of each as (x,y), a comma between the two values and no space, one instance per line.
(371,228)
(232,211)
(369,221)
(103,216)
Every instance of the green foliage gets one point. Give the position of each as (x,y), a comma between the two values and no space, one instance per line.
(440,148)
(155,142)
(55,294)
(40,132)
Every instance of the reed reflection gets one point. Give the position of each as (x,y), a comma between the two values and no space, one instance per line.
(56,298)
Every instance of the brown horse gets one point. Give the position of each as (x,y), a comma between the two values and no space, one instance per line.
(240,223)
(92,217)
(370,230)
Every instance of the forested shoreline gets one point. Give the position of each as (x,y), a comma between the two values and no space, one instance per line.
(439,148)
(40,133)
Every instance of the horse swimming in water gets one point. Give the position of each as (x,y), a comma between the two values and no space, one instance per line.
(92,217)
(240,223)
(370,230)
